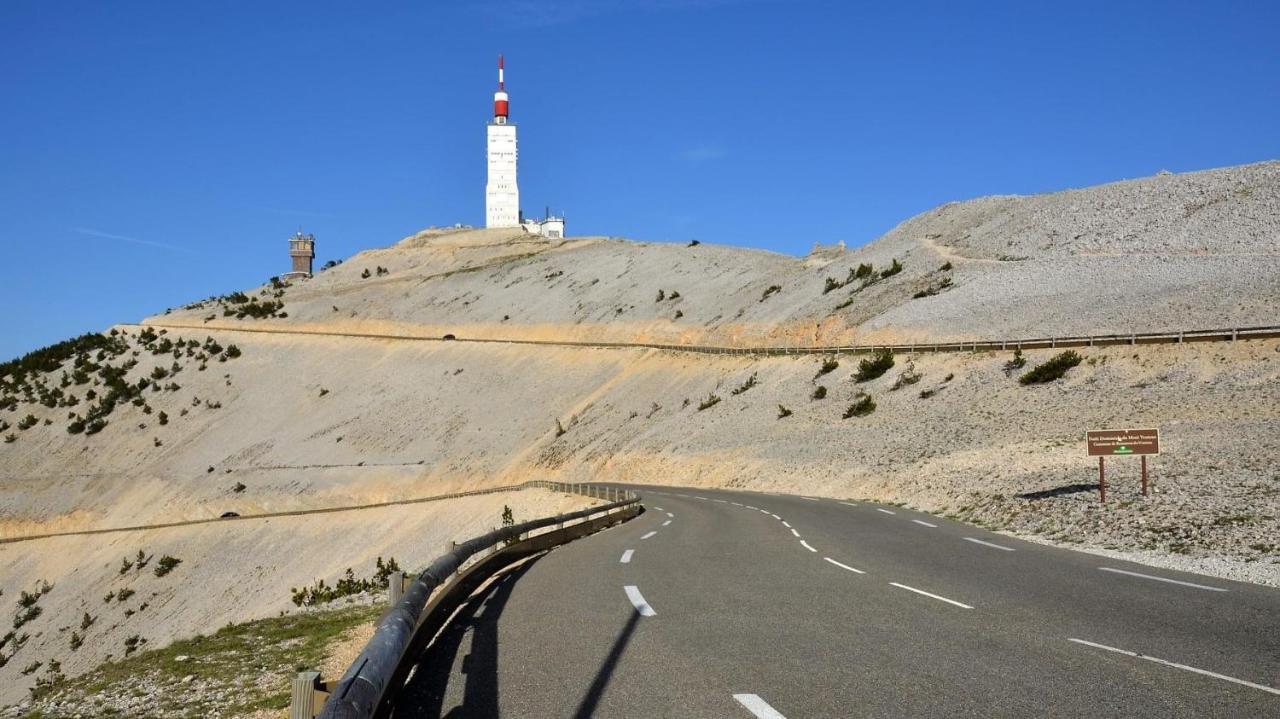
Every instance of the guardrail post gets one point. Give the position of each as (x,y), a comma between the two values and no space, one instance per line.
(307,697)
(395,587)
(1235,335)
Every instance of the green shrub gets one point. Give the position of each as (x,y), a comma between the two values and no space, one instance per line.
(829,365)
(832,284)
(27,422)
(1052,369)
(771,290)
(864,270)
(76,641)
(661,296)
(862,406)
(1017,363)
(366,274)
(165,565)
(783,412)
(945,268)
(874,366)
(819,392)
(892,270)
(843,305)
(711,401)
(124,594)
(908,376)
(751,382)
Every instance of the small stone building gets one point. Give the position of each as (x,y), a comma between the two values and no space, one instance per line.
(302,248)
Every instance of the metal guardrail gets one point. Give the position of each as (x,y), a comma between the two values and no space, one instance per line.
(1138,338)
(362,689)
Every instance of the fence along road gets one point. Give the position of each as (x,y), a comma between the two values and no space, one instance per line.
(749,604)
(1178,337)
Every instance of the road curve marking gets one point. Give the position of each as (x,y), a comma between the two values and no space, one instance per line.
(650,534)
(928,594)
(642,607)
(758,707)
(1163,579)
(806,546)
(771,514)
(666,522)
(885,511)
(748,506)
(793,531)
(924,524)
(987,544)
(658,509)
(784,523)
(844,566)
(1176,665)
(626,556)
(669,514)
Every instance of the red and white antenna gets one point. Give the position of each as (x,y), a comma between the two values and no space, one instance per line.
(500,100)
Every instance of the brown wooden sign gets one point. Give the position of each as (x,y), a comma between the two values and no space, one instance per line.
(1122,442)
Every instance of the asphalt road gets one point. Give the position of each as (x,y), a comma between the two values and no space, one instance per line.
(739,604)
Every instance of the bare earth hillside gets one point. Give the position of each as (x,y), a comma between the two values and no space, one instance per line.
(295,421)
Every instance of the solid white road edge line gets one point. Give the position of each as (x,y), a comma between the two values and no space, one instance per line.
(757,706)
(1175,665)
(987,544)
(666,522)
(1162,579)
(806,546)
(650,534)
(811,499)
(924,524)
(849,504)
(927,594)
(626,556)
(885,511)
(844,566)
(638,601)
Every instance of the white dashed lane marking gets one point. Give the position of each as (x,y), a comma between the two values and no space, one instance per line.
(637,601)
(987,544)
(931,595)
(1162,579)
(626,556)
(666,522)
(849,504)
(885,511)
(844,566)
(758,707)
(806,546)
(650,534)
(793,531)
(1175,665)
(669,514)
(925,524)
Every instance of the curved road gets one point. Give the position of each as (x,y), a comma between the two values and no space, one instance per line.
(738,604)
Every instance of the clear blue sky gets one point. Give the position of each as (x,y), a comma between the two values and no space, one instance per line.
(156,153)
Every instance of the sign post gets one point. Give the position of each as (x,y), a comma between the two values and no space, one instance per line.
(1103,443)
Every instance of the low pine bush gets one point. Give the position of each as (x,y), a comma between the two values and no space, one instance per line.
(829,365)
(862,406)
(1052,369)
(874,366)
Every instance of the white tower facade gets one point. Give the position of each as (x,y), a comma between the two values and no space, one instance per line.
(501,193)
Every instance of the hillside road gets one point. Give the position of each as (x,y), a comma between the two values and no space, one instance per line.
(719,603)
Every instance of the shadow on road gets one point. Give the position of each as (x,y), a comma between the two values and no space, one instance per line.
(587,707)
(424,695)
(1059,491)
